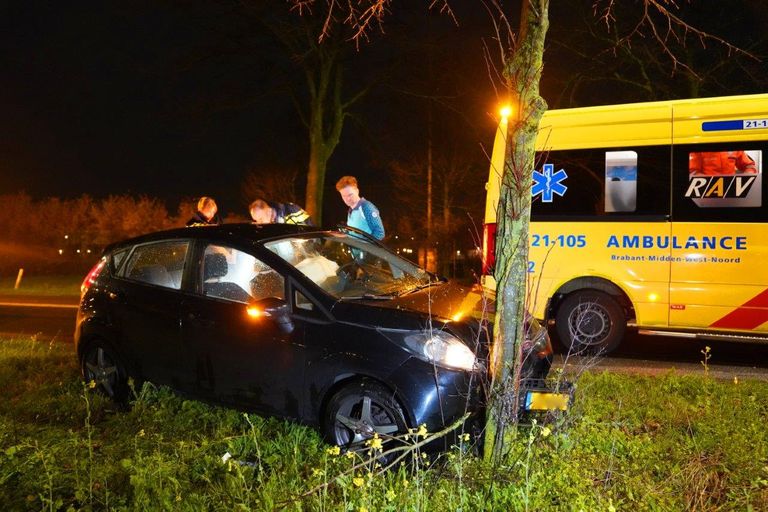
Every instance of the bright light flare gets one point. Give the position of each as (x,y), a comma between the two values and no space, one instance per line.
(254,312)
(505,111)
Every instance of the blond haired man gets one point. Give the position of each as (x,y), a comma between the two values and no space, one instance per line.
(206,214)
(362,214)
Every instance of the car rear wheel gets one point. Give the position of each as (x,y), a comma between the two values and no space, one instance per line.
(590,322)
(358,411)
(102,366)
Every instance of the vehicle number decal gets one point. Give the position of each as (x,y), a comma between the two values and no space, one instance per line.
(755,123)
(558,241)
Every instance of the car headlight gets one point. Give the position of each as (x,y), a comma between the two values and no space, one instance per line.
(442,349)
(536,338)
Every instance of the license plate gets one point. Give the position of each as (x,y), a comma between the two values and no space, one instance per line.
(545,401)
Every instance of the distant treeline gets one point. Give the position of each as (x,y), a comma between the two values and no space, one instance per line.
(46,234)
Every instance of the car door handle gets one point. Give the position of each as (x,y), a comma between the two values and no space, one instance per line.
(201,320)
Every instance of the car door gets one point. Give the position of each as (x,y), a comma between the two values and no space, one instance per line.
(145,308)
(240,354)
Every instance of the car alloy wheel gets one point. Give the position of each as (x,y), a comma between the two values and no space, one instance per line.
(358,411)
(102,366)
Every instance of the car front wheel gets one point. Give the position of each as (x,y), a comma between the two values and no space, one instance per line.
(360,410)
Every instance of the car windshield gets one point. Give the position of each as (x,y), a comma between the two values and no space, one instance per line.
(349,267)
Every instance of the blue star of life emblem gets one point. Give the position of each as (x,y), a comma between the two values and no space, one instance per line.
(547,183)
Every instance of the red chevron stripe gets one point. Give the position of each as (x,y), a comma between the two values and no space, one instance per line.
(758,301)
(749,315)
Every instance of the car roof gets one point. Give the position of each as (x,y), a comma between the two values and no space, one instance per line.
(243,232)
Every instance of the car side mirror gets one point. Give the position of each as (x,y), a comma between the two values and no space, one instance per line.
(277,310)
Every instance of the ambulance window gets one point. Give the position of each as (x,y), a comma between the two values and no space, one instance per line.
(720,182)
(603,184)
(620,181)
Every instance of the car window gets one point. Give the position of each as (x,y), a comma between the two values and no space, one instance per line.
(117,259)
(349,267)
(160,263)
(235,275)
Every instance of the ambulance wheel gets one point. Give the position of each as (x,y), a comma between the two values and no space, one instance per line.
(590,322)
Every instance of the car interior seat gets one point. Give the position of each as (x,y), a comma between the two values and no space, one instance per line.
(153,274)
(214,268)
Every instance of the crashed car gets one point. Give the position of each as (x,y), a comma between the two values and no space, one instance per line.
(326,327)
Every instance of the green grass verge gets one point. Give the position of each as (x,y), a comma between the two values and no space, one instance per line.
(630,443)
(53,285)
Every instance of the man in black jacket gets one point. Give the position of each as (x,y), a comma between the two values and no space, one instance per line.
(266,212)
(206,214)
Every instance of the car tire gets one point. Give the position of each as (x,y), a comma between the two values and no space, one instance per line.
(358,410)
(103,366)
(590,322)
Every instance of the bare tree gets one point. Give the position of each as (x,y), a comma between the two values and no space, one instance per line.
(596,59)
(271,185)
(328,104)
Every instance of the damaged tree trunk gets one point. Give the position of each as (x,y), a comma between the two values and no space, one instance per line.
(522,71)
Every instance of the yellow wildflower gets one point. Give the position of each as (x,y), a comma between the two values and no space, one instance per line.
(465,437)
(391,495)
(358,481)
(374,442)
(422,430)
(545,432)
(350,455)
(92,384)
(333,450)
(141,433)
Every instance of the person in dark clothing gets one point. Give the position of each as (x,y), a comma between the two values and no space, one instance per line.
(206,214)
(267,212)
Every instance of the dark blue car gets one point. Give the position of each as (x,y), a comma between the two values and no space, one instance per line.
(326,327)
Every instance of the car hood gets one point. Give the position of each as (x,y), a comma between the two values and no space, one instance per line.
(442,301)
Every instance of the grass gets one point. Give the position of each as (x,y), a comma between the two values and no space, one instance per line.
(630,443)
(46,285)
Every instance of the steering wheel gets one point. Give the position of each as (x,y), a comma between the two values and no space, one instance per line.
(352,271)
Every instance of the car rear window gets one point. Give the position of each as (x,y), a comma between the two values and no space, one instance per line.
(158,263)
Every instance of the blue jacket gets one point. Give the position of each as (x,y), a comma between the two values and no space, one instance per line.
(365,217)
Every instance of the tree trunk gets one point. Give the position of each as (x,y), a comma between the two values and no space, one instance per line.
(315,176)
(523,73)
(326,121)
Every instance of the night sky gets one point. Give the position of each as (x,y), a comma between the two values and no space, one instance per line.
(157,98)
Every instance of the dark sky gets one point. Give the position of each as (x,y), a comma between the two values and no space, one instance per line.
(111,100)
(153,97)
(145,98)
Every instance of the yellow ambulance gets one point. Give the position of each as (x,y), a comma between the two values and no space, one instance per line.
(648,215)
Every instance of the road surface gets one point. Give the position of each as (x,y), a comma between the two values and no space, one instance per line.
(45,317)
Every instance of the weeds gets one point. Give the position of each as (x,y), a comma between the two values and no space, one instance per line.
(706,354)
(675,443)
